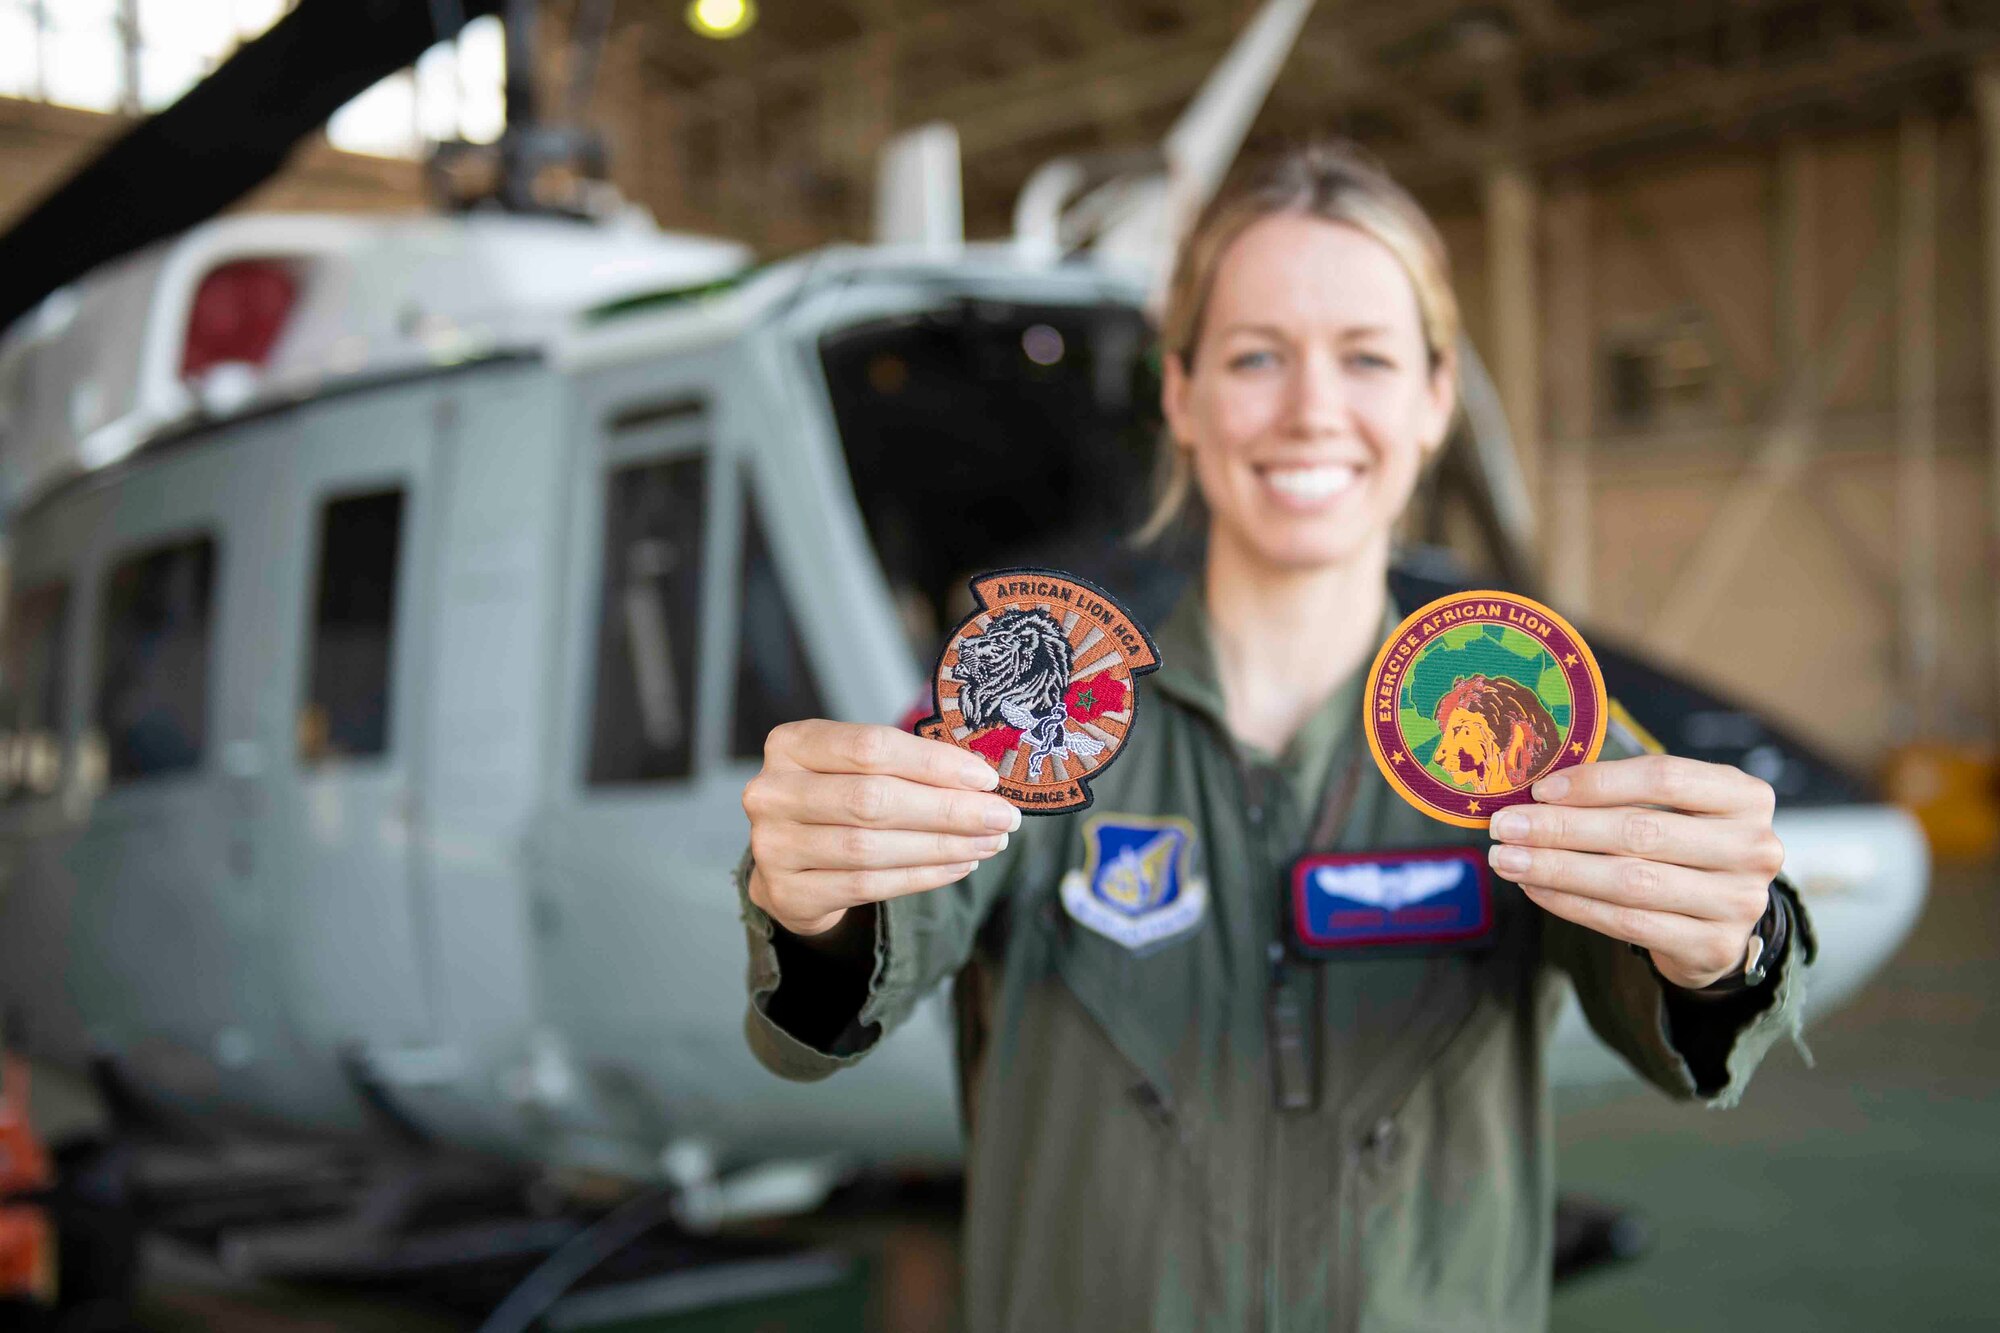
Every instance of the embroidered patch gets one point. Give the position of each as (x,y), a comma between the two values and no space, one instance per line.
(1039,681)
(1477,695)
(1136,886)
(1357,901)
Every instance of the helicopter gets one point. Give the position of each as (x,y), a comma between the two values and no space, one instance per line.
(398,608)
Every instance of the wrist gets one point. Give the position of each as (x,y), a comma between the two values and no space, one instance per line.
(1762,949)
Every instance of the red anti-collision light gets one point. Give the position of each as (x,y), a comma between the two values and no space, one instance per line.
(239,310)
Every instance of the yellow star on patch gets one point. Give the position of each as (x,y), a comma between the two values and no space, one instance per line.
(1576,747)
(1398,756)
(1472,807)
(1570,660)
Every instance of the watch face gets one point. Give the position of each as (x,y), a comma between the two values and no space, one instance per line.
(1753,959)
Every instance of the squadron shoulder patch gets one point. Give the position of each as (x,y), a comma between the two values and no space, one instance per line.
(1136,886)
(1040,682)
(1477,695)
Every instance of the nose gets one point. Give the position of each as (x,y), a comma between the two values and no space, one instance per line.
(1319,396)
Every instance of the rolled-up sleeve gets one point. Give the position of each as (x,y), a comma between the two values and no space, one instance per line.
(1702,1050)
(920,939)
(1695,1048)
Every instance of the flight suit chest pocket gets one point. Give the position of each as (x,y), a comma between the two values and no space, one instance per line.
(1130,934)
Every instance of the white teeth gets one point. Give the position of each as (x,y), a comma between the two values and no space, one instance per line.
(1312,483)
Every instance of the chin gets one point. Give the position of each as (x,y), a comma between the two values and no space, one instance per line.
(1302,552)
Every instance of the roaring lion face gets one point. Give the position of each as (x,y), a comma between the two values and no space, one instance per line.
(1022,657)
(1494,734)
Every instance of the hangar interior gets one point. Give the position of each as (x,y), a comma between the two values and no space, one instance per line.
(1734,268)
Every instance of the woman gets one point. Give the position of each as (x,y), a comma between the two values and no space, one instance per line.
(1206,1132)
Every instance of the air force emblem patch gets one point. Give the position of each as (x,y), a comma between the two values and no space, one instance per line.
(1136,885)
(1396,901)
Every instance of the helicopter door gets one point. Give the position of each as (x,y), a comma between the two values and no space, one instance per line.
(336,743)
(183,997)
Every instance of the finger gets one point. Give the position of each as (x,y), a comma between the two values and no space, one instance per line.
(850,888)
(1665,931)
(872,801)
(840,847)
(821,746)
(1659,779)
(1628,881)
(1657,835)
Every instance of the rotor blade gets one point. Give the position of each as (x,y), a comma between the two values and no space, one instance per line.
(226,136)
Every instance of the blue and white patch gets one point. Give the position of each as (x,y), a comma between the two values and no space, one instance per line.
(1136,886)
(1397,901)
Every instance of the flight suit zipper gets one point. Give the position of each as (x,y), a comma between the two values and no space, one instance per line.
(1254,789)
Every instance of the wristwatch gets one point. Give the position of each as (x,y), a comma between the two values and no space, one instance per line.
(1766,943)
(1765,946)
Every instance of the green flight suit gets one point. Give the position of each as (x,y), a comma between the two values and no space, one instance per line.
(1127,1165)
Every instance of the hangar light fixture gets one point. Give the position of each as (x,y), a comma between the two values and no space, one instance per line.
(721,18)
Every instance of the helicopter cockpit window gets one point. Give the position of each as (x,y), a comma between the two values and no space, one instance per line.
(34,692)
(642,727)
(345,713)
(774,682)
(152,687)
(983,434)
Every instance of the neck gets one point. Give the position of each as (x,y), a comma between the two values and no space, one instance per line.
(1285,639)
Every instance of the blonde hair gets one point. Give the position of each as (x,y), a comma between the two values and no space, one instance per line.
(1337,181)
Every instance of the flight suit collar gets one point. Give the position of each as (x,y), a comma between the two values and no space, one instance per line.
(1188,673)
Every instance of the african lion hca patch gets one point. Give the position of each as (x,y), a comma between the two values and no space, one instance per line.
(1039,682)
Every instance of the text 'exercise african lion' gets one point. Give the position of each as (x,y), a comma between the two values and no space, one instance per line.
(1476,696)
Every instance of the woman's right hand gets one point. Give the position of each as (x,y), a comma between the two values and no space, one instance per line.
(847,813)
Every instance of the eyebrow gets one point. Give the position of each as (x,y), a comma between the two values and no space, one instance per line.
(1359,331)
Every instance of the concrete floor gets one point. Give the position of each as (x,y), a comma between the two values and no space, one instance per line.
(1862,1194)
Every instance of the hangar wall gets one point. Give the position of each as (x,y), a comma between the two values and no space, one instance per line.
(1760,541)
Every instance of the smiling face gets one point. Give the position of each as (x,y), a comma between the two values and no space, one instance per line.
(1311,403)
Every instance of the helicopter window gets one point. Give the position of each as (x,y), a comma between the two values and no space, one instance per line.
(152,688)
(648,618)
(986,433)
(346,709)
(34,692)
(774,683)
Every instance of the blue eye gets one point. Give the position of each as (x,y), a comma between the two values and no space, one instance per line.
(1250,360)
(1373,361)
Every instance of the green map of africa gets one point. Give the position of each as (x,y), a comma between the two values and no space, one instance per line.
(1472,650)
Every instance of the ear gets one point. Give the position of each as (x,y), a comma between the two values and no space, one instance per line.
(1175,380)
(1440,401)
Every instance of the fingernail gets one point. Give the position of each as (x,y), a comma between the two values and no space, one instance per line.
(996,843)
(1510,824)
(1509,860)
(980,776)
(1004,817)
(1552,788)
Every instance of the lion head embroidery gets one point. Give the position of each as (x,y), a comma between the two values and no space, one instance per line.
(1494,734)
(1022,659)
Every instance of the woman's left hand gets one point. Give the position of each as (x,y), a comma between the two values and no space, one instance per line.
(1672,854)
